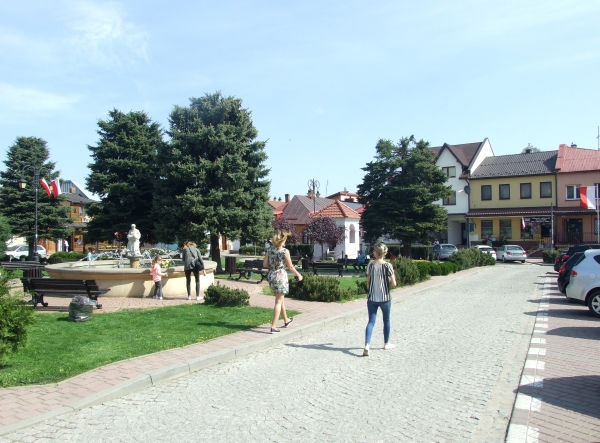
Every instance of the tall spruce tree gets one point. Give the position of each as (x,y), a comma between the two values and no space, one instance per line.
(212,176)
(399,191)
(18,205)
(123,174)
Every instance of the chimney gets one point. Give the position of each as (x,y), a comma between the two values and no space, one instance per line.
(527,151)
(573,145)
(287,198)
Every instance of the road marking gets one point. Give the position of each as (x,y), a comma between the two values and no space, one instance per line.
(538,341)
(537,351)
(535,364)
(528,403)
(522,434)
(540,318)
(541,325)
(533,381)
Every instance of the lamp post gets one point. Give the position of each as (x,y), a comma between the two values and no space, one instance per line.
(312,185)
(36,183)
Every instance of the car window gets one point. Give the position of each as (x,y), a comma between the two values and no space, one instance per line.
(448,247)
(597,258)
(486,249)
(22,248)
(572,261)
(40,248)
(514,248)
(12,248)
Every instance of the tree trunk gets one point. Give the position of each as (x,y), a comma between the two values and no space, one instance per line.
(407,250)
(215,252)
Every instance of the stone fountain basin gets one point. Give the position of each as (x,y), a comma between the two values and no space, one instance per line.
(131,282)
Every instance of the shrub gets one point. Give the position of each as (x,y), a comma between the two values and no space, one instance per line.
(223,296)
(549,256)
(319,288)
(424,269)
(361,287)
(250,250)
(301,249)
(435,268)
(470,258)
(16,315)
(68,255)
(407,272)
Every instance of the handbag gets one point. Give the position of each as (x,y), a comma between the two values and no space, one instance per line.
(199,264)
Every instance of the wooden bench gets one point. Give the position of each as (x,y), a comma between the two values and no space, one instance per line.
(61,286)
(327,266)
(352,262)
(31,269)
(251,266)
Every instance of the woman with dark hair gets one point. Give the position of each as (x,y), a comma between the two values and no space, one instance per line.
(191,256)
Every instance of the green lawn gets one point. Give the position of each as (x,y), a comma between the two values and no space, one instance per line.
(58,349)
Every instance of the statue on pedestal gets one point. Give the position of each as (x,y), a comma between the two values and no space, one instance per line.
(133,243)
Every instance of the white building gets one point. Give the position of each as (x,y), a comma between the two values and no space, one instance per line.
(348,218)
(457,161)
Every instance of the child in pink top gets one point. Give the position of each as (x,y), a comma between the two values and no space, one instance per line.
(156,277)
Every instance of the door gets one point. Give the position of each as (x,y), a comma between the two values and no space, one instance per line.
(574,229)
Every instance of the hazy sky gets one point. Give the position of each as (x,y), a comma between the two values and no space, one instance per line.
(324,79)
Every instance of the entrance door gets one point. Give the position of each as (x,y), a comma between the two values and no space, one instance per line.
(574,229)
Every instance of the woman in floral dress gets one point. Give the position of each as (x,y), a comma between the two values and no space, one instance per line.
(277,259)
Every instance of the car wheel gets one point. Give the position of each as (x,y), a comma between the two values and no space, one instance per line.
(571,300)
(504,259)
(522,261)
(594,303)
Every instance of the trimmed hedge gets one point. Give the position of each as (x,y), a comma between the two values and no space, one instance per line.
(470,258)
(250,250)
(549,256)
(320,288)
(68,255)
(218,295)
(301,249)
(406,270)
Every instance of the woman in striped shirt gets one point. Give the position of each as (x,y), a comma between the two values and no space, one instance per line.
(380,276)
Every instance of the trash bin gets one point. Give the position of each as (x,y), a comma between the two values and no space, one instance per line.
(81,308)
(229,264)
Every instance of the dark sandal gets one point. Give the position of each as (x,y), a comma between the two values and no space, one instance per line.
(285,325)
(274,331)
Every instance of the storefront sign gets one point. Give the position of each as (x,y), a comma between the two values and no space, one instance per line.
(538,219)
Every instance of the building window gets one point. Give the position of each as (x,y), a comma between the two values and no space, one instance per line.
(525,190)
(528,231)
(505,229)
(80,211)
(504,192)
(546,190)
(450,171)
(486,192)
(572,192)
(352,234)
(487,228)
(450,200)
(597,190)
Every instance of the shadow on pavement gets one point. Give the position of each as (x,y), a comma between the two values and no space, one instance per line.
(584,332)
(328,347)
(574,314)
(580,394)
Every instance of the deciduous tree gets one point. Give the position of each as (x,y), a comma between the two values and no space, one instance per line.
(324,230)
(399,191)
(285,225)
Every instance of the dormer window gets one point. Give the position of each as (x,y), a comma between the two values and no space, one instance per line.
(450,171)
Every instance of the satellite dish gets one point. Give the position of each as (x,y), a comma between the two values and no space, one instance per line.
(467,190)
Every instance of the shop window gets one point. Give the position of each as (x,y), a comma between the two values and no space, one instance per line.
(450,200)
(504,192)
(450,171)
(486,192)
(546,190)
(505,229)
(487,228)
(572,192)
(525,190)
(527,231)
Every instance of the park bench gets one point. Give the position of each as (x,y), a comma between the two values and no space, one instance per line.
(251,266)
(31,269)
(352,262)
(327,266)
(60,286)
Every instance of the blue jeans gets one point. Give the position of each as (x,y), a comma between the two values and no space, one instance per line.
(386,307)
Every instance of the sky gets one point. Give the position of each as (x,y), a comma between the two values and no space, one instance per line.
(324,80)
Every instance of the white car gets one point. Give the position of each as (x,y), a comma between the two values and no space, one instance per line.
(487,249)
(21,252)
(511,253)
(584,283)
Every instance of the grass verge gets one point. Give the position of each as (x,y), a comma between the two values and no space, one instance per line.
(58,349)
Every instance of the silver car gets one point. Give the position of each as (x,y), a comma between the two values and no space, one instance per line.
(584,282)
(21,252)
(511,253)
(444,251)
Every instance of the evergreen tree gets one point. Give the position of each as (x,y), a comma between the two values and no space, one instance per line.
(18,205)
(399,190)
(212,175)
(123,174)
(5,234)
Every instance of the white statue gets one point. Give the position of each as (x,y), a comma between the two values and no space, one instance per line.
(133,243)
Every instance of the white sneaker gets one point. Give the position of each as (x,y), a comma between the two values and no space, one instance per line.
(189,298)
(160,298)
(389,346)
(199,298)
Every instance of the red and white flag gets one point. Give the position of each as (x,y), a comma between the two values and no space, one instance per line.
(522,222)
(55,187)
(587,195)
(46,187)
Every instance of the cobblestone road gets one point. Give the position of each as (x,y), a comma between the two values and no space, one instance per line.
(452,343)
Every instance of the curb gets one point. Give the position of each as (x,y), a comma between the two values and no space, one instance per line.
(187,367)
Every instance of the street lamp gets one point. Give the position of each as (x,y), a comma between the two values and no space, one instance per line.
(312,185)
(36,183)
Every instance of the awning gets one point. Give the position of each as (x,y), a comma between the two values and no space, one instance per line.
(528,212)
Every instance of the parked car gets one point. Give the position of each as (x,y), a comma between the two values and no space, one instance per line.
(564,273)
(563,257)
(558,261)
(21,252)
(445,251)
(511,253)
(584,283)
(487,250)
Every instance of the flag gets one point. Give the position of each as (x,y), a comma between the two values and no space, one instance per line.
(587,197)
(46,187)
(522,222)
(55,187)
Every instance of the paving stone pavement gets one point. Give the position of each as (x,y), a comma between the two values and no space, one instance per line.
(559,395)
(459,346)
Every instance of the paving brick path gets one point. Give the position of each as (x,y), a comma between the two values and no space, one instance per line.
(559,396)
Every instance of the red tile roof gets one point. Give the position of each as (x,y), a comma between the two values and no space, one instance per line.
(276,203)
(337,210)
(577,159)
(298,210)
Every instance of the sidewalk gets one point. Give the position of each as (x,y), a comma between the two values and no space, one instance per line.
(21,407)
(559,395)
